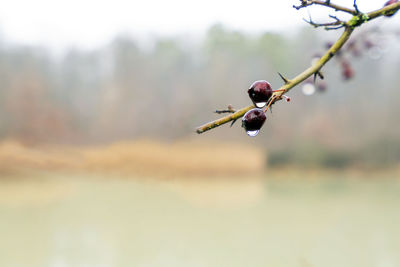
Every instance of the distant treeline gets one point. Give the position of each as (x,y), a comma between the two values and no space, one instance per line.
(126,91)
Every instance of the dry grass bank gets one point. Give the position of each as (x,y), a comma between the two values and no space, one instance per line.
(139,157)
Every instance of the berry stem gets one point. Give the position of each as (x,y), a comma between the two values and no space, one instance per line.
(270,103)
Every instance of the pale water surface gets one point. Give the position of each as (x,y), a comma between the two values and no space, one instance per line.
(60,220)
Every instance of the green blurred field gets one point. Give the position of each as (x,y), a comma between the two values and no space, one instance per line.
(296,218)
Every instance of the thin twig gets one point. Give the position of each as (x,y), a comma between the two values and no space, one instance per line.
(356,7)
(334,28)
(224,111)
(306,3)
(228,110)
(329,25)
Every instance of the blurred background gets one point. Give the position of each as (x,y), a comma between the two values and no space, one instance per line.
(100,164)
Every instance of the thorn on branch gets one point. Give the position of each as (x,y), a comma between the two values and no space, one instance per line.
(318,74)
(285,80)
(229,110)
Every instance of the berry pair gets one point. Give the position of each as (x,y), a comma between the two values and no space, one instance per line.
(260,92)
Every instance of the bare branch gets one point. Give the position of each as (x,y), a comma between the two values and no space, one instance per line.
(384,11)
(357,20)
(337,24)
(306,3)
(286,87)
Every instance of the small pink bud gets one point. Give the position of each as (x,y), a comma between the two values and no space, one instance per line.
(287,99)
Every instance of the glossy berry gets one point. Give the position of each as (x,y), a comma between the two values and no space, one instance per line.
(253,120)
(389,3)
(260,92)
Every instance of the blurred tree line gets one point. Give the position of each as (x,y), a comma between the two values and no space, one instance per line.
(126,91)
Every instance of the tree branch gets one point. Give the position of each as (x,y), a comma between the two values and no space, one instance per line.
(306,3)
(337,24)
(350,25)
(384,11)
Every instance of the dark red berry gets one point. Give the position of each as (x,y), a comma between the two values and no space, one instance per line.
(389,3)
(348,73)
(260,92)
(347,70)
(253,120)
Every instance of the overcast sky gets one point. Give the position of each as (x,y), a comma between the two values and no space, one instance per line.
(91,23)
